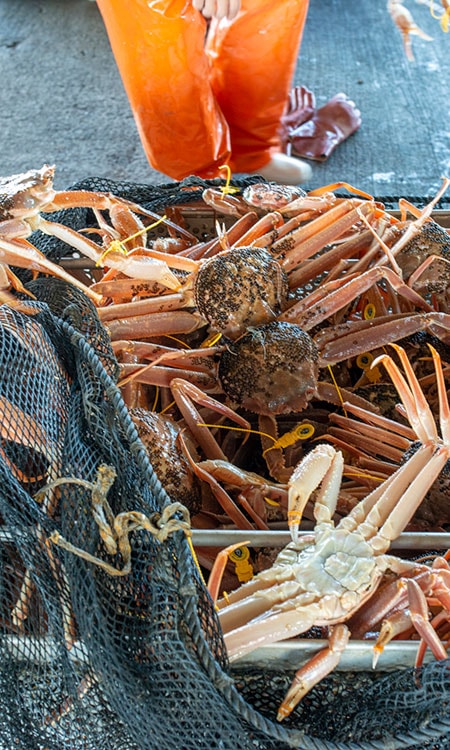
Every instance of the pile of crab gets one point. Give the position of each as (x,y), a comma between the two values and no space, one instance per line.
(305,346)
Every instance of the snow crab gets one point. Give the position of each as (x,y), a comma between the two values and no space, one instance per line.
(173,448)
(23,199)
(330,577)
(271,341)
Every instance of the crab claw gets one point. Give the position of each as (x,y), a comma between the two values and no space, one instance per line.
(323,465)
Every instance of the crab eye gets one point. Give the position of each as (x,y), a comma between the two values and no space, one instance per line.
(29,202)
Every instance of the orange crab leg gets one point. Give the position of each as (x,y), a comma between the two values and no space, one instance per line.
(105,202)
(304,242)
(419,413)
(366,335)
(185,394)
(309,315)
(223,498)
(419,618)
(315,670)
(163,303)
(164,377)
(337,186)
(136,266)
(267,223)
(386,425)
(157,324)
(217,570)
(23,254)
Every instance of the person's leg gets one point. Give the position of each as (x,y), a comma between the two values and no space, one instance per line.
(253,64)
(159,50)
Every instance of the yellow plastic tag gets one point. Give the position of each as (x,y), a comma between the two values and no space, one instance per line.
(242,565)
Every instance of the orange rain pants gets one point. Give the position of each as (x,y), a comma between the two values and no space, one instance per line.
(201,100)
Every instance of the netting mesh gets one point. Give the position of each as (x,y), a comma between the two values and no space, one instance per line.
(94,660)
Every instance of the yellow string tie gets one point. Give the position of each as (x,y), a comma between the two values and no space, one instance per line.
(362,475)
(178,341)
(166,408)
(195,558)
(211,340)
(118,246)
(155,400)
(337,389)
(246,430)
(228,189)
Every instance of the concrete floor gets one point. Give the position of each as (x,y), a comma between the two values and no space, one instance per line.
(62,100)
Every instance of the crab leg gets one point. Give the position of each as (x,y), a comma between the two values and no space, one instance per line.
(23,254)
(223,498)
(370,439)
(444,408)
(385,424)
(157,324)
(418,412)
(141,267)
(107,202)
(233,235)
(185,394)
(164,377)
(405,23)
(374,510)
(419,618)
(216,574)
(268,223)
(423,645)
(163,303)
(195,359)
(419,472)
(322,464)
(308,316)
(411,498)
(312,268)
(366,335)
(304,242)
(124,289)
(415,226)
(315,670)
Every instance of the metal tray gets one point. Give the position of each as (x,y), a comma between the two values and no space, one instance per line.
(200,220)
(289,656)
(413,541)
(292,654)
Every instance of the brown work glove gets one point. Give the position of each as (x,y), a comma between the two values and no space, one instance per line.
(317,136)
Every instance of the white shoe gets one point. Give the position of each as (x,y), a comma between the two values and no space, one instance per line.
(286,170)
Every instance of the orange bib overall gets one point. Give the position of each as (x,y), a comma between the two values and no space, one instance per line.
(203,98)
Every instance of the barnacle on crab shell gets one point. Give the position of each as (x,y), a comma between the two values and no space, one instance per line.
(272,369)
(241,288)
